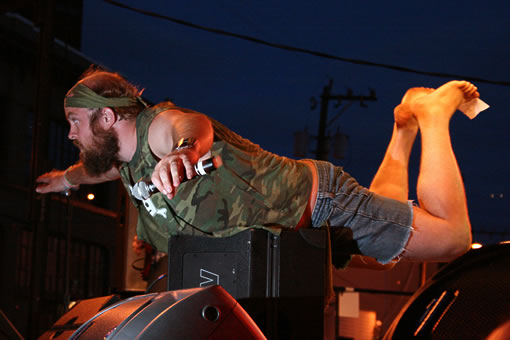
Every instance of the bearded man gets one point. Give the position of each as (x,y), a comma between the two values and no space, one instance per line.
(119,137)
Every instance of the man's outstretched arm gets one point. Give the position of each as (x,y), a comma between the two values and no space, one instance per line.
(62,180)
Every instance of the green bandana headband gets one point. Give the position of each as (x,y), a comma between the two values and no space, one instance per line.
(82,96)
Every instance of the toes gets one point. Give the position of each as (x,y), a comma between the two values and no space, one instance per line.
(471,93)
(463,84)
(469,90)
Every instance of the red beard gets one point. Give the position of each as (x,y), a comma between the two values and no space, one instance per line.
(102,155)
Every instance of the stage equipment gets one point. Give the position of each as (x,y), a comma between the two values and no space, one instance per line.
(7,329)
(199,313)
(277,278)
(82,311)
(467,299)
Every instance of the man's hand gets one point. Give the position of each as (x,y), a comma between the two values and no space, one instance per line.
(172,169)
(138,246)
(52,181)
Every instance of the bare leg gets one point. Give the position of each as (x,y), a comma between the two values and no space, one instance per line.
(441,226)
(391,179)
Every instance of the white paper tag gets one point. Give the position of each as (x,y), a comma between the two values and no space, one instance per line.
(348,303)
(473,107)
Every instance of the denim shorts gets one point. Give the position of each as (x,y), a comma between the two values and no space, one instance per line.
(361,221)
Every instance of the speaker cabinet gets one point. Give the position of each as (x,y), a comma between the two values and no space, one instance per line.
(467,299)
(278,279)
(200,313)
(81,312)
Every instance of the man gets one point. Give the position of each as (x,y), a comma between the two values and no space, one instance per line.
(119,138)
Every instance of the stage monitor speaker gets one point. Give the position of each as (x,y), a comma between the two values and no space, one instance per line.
(82,311)
(278,279)
(200,313)
(7,330)
(467,299)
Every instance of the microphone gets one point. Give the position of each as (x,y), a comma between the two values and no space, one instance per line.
(144,189)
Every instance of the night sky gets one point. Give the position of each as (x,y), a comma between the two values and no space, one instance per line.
(264,93)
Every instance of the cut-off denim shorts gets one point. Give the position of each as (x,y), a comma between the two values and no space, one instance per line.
(380,226)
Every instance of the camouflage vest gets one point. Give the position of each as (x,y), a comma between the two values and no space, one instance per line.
(253,188)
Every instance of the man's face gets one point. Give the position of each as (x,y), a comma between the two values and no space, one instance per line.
(99,148)
(79,123)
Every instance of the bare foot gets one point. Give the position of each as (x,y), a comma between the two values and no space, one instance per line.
(403,114)
(444,101)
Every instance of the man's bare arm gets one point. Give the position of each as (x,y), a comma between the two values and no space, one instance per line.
(62,180)
(166,130)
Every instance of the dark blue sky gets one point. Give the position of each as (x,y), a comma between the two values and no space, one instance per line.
(264,93)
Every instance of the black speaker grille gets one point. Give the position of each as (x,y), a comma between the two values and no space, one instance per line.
(482,304)
(476,299)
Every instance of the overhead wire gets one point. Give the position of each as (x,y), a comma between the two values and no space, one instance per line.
(307,51)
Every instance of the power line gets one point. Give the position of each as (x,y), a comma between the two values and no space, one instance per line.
(306,51)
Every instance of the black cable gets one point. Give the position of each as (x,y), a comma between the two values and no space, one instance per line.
(135,262)
(149,287)
(305,51)
(177,218)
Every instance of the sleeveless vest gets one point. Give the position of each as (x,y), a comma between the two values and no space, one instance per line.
(253,188)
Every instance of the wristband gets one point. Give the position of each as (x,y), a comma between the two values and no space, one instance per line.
(67,182)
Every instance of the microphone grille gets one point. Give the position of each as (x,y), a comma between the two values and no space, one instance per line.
(141,191)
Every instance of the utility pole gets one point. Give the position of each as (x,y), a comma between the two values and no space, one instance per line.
(322,150)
